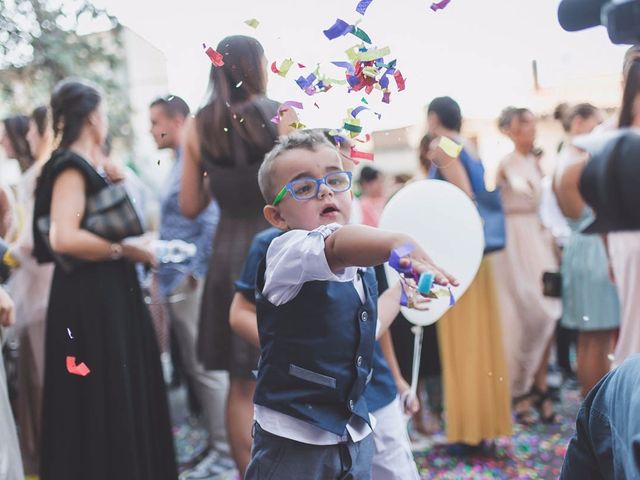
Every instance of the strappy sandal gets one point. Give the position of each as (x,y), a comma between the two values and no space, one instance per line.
(540,400)
(524,417)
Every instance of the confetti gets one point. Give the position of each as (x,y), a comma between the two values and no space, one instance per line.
(239,84)
(611,357)
(297,125)
(215,57)
(339,29)
(451,148)
(361,34)
(439,5)
(301,66)
(362,6)
(80,369)
(316,105)
(364,100)
(585,318)
(399,80)
(284,67)
(69,333)
(358,154)
(252,22)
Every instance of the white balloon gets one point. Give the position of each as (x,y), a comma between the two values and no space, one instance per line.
(445,222)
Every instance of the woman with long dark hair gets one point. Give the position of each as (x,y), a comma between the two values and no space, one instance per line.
(14,140)
(224,147)
(113,421)
(29,287)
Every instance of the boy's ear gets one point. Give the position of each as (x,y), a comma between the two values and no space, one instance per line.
(273,216)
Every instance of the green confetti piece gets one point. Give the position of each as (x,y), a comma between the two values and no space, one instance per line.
(373,54)
(361,34)
(252,22)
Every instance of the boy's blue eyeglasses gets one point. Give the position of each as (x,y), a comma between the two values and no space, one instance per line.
(307,188)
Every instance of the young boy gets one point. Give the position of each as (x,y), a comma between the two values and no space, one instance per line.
(317,332)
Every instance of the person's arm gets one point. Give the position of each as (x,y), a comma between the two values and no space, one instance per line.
(411,404)
(243,319)
(5,213)
(66,235)
(453,171)
(7,313)
(362,246)
(194,196)
(567,189)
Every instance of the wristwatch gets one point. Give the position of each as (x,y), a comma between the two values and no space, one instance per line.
(116,251)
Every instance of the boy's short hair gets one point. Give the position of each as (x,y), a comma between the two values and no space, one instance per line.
(310,140)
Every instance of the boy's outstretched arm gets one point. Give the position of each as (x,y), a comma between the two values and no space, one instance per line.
(363,246)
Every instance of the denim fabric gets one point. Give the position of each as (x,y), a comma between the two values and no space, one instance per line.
(607,440)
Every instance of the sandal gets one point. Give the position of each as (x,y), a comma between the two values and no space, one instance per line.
(542,399)
(523,417)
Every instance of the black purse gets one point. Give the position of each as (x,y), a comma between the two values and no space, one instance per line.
(109,214)
(552,284)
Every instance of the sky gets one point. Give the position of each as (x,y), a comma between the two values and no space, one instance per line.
(478,51)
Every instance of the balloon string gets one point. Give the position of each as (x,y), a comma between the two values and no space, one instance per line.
(418,332)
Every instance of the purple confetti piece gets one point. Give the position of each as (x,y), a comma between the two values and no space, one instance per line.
(452,299)
(384,81)
(292,103)
(305,83)
(362,6)
(338,29)
(357,110)
(397,254)
(353,81)
(386,97)
(345,65)
(276,119)
(439,5)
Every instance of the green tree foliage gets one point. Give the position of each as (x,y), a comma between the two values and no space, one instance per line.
(41,44)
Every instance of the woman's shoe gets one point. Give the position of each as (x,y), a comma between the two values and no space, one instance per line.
(542,399)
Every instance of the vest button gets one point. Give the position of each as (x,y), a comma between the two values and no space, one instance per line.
(364,316)
(359,361)
(350,404)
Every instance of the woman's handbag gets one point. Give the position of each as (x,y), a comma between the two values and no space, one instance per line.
(490,208)
(109,214)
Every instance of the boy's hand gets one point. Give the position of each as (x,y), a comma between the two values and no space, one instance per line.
(409,401)
(421,262)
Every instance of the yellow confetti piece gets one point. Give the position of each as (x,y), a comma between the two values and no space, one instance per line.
(9,260)
(284,67)
(370,71)
(450,147)
(297,125)
(373,54)
(252,22)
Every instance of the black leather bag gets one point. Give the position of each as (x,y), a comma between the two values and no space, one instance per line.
(552,284)
(109,214)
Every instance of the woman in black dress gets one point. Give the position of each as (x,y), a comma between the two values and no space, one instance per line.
(224,148)
(113,423)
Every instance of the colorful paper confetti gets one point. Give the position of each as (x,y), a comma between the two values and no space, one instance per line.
(80,369)
(284,67)
(358,154)
(439,5)
(362,6)
(252,22)
(449,147)
(215,57)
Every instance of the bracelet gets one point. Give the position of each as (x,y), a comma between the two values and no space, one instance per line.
(116,251)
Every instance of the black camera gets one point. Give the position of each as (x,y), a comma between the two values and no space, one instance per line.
(620,17)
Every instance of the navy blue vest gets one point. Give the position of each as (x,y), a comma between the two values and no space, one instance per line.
(317,352)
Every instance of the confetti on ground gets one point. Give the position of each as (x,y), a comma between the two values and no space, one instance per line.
(439,5)
(215,57)
(450,147)
(252,22)
(80,369)
(362,6)
(534,453)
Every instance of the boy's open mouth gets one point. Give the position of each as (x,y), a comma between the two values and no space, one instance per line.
(329,209)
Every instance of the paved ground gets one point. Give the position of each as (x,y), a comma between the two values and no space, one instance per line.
(532,453)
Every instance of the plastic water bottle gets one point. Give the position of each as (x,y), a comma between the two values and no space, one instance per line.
(173,251)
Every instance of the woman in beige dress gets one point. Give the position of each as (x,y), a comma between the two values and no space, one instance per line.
(528,317)
(29,287)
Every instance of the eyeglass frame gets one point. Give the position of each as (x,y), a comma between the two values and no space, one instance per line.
(319,181)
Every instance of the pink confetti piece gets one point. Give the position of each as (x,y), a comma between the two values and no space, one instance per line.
(439,5)
(215,57)
(400,81)
(363,155)
(80,369)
